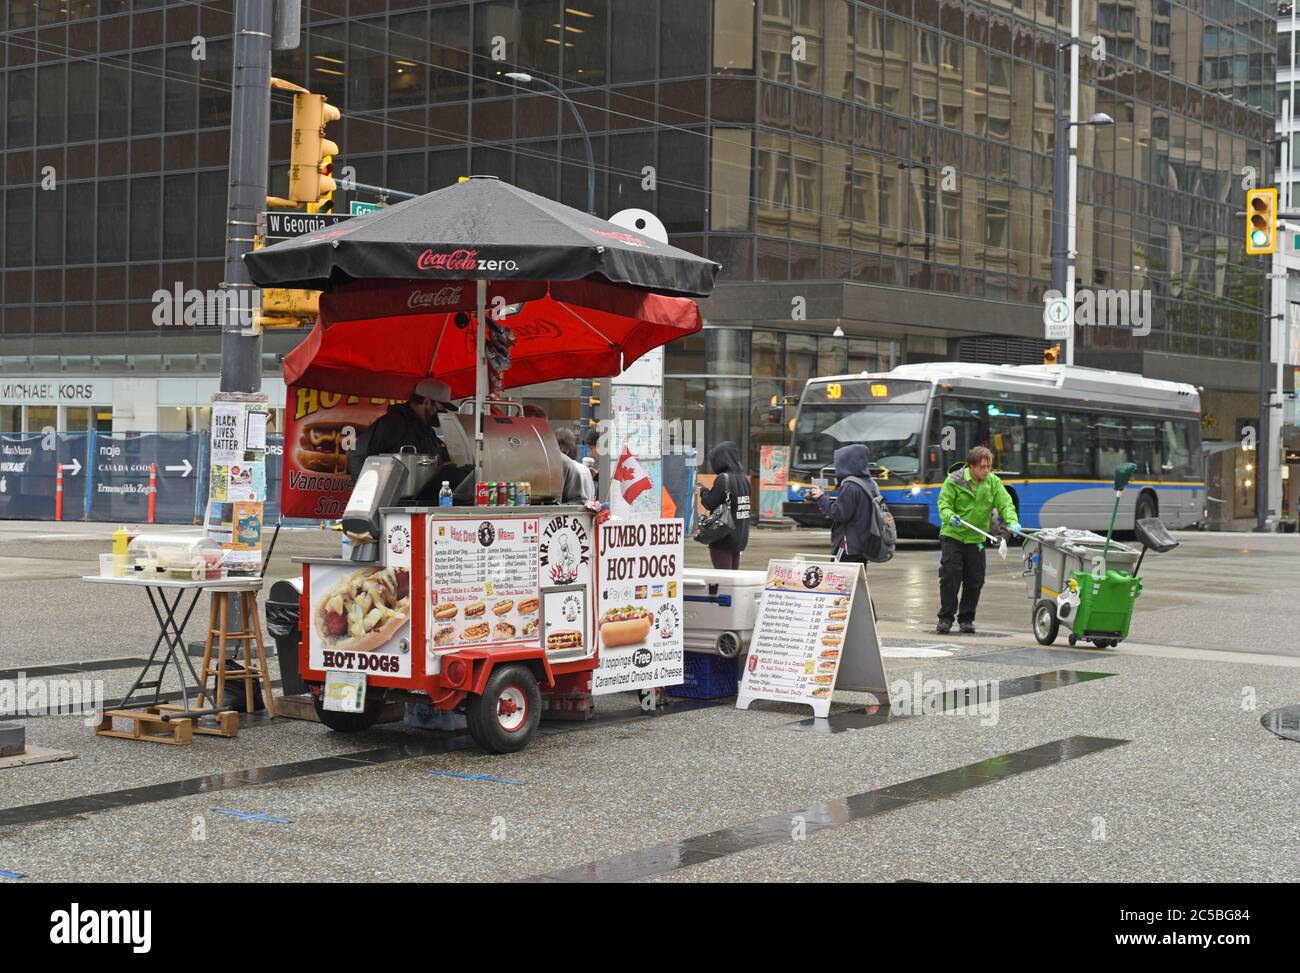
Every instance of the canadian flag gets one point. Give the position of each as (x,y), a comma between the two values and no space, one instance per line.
(631,476)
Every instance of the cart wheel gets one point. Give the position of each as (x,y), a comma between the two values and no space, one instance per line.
(1074,640)
(1105,643)
(1046,624)
(505,717)
(351,722)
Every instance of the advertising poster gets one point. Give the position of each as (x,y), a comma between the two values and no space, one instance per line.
(564,621)
(361,617)
(483,583)
(639,605)
(635,413)
(321,428)
(237,480)
(772,463)
(814,627)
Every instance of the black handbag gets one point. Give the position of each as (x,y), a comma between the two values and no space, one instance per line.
(718,524)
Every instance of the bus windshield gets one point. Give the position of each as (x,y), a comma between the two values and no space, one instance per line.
(892,432)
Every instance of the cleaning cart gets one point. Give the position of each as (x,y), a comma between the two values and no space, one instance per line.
(1087,582)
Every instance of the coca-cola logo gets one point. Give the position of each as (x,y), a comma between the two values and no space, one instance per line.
(627,238)
(446,297)
(524,331)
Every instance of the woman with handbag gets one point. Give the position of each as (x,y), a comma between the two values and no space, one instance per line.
(728,498)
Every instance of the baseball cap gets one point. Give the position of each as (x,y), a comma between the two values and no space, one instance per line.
(432,388)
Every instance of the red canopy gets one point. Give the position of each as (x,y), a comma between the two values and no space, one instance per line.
(378,338)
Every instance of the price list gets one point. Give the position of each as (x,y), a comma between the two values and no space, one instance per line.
(483,583)
(788,655)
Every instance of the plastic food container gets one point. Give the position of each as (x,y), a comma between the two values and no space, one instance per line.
(177,556)
(106,566)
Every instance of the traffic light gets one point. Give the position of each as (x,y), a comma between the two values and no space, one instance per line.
(1261,220)
(311,151)
(1052,355)
(325,204)
(283,307)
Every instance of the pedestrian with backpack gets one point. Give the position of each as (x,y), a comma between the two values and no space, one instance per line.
(862,528)
(968,497)
(730,490)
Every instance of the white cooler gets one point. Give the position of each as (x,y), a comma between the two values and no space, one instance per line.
(721,609)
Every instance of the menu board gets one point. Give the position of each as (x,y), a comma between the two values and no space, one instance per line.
(815,632)
(483,581)
(639,606)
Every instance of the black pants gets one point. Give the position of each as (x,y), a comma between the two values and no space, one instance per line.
(961,566)
(724,559)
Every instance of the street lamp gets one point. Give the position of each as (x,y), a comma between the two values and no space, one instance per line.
(1063,194)
(524,78)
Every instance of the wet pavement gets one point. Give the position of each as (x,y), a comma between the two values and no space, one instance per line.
(1152,761)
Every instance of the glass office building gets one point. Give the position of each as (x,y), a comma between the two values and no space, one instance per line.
(883,169)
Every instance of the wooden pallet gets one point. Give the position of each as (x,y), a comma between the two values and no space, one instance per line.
(146,724)
(227,723)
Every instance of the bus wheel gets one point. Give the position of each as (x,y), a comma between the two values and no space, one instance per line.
(505,717)
(1045,622)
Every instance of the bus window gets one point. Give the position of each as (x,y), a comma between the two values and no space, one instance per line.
(956,433)
(1144,447)
(1076,457)
(1177,451)
(1007,436)
(1044,443)
(1112,433)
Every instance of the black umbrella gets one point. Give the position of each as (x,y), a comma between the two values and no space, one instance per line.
(480,229)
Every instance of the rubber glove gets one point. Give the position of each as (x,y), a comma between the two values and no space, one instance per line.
(1015,529)
(954,520)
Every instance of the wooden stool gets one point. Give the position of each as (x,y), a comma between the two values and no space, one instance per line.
(251,634)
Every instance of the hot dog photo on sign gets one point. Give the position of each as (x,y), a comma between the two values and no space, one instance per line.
(625,625)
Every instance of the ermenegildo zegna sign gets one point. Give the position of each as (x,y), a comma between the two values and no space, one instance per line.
(40,391)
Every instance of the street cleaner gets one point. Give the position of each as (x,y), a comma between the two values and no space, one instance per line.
(968,497)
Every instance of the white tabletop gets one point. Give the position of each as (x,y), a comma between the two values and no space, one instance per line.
(140,580)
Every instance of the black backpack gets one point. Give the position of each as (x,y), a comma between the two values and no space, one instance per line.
(884,532)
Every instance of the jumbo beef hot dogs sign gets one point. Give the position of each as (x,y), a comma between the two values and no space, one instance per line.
(639,605)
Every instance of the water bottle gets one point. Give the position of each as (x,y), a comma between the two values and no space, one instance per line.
(444,495)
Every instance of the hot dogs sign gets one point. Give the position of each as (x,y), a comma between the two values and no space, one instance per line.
(639,606)
(361,614)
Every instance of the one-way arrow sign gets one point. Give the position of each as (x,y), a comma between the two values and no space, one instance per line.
(184,469)
(75,466)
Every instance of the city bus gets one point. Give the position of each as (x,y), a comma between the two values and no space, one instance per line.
(1057,433)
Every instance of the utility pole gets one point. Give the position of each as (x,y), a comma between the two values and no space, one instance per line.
(250,120)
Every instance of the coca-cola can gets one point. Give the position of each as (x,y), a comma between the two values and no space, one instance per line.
(481,493)
(503,495)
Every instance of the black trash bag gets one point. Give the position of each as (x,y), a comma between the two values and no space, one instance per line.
(235,698)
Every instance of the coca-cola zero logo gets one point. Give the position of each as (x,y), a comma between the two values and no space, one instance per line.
(461,260)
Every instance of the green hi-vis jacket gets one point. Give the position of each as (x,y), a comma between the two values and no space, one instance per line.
(972,502)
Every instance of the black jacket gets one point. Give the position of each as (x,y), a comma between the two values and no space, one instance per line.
(724,460)
(399,427)
(849,510)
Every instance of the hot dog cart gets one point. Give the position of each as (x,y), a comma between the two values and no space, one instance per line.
(486,287)
(477,608)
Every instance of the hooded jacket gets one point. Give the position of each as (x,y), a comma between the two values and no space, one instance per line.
(972,502)
(849,511)
(724,460)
